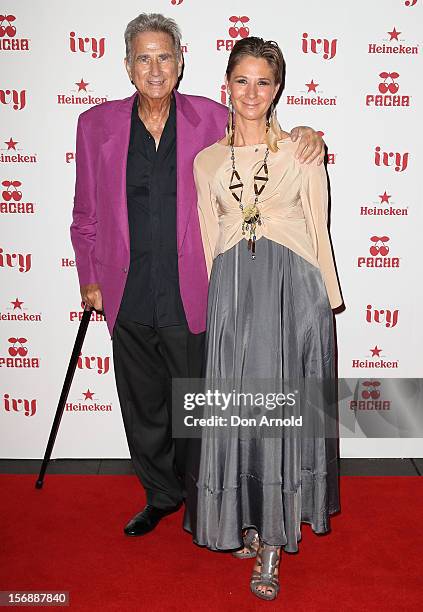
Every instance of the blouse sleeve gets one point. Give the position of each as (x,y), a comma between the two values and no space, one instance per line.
(207,212)
(314,197)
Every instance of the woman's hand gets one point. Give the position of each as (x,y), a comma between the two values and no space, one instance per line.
(311,145)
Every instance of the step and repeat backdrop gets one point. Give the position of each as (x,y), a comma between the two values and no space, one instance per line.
(352,73)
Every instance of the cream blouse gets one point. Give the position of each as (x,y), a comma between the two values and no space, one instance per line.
(293,205)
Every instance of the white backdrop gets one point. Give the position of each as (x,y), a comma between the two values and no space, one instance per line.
(58,58)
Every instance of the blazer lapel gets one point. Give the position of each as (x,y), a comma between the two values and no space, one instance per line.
(187,120)
(115,154)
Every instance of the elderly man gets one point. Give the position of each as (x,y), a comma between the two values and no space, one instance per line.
(138,245)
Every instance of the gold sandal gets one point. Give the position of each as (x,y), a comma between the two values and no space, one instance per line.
(268,559)
(251,543)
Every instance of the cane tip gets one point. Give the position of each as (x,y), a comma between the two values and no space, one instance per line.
(39,484)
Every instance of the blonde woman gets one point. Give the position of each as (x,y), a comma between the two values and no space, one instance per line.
(273,285)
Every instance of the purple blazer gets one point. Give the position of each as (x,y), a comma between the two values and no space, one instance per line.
(99,231)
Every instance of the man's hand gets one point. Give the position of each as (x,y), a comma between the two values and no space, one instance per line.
(91,296)
(311,145)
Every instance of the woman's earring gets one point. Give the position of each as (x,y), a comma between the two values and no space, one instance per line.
(231,123)
(270,117)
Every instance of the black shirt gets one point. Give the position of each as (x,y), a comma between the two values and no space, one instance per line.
(152,295)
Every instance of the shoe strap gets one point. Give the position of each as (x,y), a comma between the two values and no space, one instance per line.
(268,562)
(250,537)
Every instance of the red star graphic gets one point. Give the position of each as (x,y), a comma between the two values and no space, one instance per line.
(88,394)
(312,86)
(82,85)
(376,351)
(11,144)
(384,198)
(17,304)
(394,34)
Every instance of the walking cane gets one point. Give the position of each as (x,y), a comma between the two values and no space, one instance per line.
(82,330)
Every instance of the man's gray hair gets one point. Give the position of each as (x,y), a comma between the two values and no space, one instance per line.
(152,22)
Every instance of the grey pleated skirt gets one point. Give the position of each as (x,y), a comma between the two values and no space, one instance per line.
(268,319)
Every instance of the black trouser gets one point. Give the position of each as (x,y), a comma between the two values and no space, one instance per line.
(145,361)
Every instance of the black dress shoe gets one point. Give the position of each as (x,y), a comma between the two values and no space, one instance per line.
(146,520)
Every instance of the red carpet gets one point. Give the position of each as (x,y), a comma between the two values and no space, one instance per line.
(68,536)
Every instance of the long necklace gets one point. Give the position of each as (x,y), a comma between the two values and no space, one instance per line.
(250,214)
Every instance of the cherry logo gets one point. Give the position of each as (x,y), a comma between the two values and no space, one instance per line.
(18,350)
(6,27)
(177,2)
(391,86)
(410,2)
(371,390)
(11,192)
(239,30)
(379,245)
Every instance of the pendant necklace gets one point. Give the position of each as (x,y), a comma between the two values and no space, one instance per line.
(250,214)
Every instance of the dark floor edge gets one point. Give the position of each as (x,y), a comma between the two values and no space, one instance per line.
(348,466)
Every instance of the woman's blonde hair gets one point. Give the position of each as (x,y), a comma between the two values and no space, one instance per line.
(269,50)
